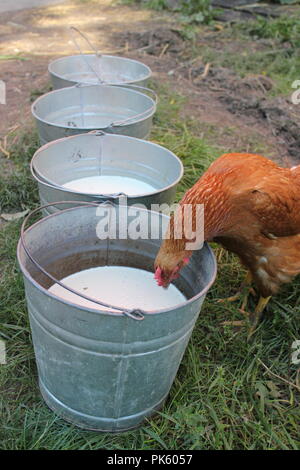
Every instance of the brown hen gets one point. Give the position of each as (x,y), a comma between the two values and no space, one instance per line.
(252,208)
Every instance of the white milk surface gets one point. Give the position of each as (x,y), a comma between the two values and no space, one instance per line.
(109,184)
(120,286)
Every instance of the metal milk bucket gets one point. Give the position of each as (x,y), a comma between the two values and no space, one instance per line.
(96,153)
(104,370)
(82,108)
(94,68)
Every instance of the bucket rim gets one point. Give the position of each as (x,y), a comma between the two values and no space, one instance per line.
(108,312)
(144,77)
(109,136)
(152,109)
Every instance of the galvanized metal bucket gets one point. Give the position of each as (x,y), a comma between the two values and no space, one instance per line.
(82,108)
(94,68)
(96,153)
(104,370)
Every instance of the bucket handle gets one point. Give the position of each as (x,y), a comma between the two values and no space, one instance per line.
(51,184)
(102,82)
(131,118)
(135,313)
(144,113)
(72,29)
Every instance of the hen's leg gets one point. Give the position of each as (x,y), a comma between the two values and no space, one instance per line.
(256,316)
(244,291)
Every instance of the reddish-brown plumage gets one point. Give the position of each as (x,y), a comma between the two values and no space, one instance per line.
(252,208)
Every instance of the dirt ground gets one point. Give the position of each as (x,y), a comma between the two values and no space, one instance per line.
(216,96)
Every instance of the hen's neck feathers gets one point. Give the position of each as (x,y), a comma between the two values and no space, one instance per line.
(208,192)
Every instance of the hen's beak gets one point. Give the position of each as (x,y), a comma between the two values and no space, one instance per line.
(163,279)
(159,277)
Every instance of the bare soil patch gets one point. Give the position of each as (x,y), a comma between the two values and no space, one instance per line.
(216,96)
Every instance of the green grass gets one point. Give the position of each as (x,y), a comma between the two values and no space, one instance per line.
(189,13)
(177,134)
(12,57)
(17,189)
(198,11)
(278,58)
(282,29)
(222,397)
(279,65)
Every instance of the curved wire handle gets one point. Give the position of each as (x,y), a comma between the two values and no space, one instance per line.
(131,118)
(148,111)
(103,82)
(135,313)
(52,184)
(73,28)
(86,39)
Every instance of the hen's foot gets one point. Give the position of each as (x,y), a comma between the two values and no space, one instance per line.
(257,315)
(242,309)
(244,291)
(252,318)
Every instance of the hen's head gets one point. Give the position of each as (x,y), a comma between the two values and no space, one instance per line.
(167,267)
